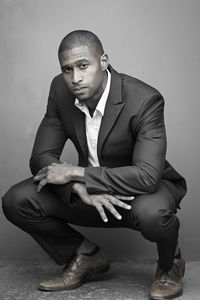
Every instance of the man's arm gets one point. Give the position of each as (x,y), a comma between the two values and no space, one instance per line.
(49,142)
(59,174)
(148,156)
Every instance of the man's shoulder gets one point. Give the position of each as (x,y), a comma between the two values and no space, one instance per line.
(134,85)
(58,80)
(137,94)
(59,88)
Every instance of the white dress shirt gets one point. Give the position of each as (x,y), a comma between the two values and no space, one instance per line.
(92,124)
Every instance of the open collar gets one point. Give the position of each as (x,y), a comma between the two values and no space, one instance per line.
(113,108)
(102,101)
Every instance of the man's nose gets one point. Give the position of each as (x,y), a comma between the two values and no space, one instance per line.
(76,78)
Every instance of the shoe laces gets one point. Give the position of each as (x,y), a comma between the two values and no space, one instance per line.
(163,277)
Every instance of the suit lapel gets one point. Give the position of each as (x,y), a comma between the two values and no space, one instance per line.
(114,106)
(79,123)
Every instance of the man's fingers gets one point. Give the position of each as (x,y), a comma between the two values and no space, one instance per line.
(128,198)
(101,212)
(41,184)
(120,203)
(116,201)
(39,177)
(42,171)
(113,211)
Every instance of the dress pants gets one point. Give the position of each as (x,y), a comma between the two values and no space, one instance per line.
(46,218)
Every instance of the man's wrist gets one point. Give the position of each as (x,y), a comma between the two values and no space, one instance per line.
(78,174)
(78,187)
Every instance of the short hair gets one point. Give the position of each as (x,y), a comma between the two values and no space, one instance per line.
(78,38)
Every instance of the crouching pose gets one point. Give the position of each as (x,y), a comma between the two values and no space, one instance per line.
(122,179)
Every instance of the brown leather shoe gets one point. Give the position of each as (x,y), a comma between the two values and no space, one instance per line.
(168,285)
(81,268)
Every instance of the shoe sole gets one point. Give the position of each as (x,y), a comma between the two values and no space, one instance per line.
(170,297)
(87,277)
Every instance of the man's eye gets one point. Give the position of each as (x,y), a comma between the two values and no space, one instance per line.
(83,66)
(67,70)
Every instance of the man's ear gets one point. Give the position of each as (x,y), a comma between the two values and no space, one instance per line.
(104,61)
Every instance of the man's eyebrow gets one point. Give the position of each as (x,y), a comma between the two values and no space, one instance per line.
(76,63)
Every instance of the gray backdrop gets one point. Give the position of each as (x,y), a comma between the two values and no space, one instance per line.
(157,41)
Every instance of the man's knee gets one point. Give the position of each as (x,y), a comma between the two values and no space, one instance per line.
(16,203)
(11,201)
(153,222)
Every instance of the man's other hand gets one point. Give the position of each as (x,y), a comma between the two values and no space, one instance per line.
(101,201)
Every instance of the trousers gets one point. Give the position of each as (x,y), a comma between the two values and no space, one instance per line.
(47,219)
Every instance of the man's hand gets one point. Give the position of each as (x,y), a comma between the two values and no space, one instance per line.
(100,200)
(58,173)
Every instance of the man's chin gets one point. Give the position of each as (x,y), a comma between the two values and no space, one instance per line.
(81,97)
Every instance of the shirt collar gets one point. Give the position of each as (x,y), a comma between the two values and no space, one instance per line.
(102,102)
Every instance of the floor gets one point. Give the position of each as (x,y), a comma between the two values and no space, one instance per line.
(126,280)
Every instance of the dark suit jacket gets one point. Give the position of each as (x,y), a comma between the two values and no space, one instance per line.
(131,143)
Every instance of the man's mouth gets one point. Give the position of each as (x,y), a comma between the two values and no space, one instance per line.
(79,90)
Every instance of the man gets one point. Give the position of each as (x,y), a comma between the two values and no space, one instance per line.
(122,179)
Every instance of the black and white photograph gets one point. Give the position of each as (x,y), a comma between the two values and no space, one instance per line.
(99,149)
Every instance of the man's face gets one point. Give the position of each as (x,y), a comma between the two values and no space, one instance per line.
(83,71)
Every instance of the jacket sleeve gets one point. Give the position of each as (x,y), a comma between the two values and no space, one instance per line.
(148,157)
(49,142)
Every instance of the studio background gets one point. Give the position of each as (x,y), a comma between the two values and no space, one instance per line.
(157,41)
